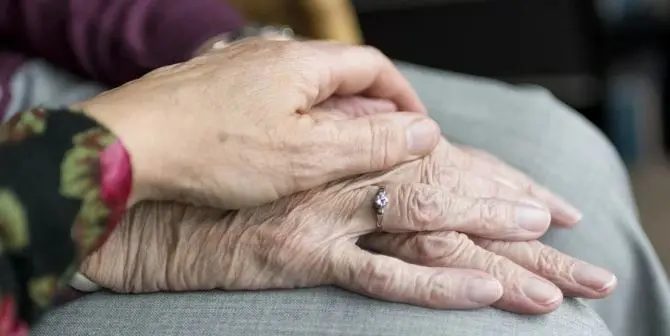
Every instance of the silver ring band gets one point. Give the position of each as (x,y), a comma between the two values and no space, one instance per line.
(380,204)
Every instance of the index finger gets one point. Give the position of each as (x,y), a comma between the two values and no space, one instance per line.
(486,164)
(348,70)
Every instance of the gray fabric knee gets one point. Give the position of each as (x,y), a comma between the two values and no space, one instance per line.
(530,129)
(315,311)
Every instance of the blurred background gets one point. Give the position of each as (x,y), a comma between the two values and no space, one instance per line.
(608,59)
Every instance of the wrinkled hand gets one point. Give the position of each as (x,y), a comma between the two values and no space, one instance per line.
(466,170)
(304,240)
(522,267)
(232,128)
(483,165)
(309,239)
(532,274)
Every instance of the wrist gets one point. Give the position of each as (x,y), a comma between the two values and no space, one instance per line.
(164,246)
(125,172)
(137,249)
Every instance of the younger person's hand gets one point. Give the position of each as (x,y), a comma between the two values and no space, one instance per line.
(233,128)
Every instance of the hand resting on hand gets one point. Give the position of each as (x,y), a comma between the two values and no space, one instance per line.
(310,239)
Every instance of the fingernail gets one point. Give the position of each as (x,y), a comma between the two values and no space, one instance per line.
(485,291)
(593,277)
(532,218)
(540,291)
(422,135)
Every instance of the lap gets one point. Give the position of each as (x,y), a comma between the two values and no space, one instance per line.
(530,129)
(317,311)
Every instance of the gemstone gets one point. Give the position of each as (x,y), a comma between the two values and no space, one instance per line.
(381,201)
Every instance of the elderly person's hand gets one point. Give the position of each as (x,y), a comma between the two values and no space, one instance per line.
(232,128)
(468,170)
(309,239)
(531,272)
(474,173)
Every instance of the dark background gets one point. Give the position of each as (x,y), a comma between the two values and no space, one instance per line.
(567,46)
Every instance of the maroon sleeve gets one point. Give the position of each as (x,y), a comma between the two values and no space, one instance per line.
(114,41)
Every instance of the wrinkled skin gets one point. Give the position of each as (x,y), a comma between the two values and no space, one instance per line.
(309,239)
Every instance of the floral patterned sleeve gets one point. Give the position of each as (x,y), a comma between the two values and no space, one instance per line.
(64,184)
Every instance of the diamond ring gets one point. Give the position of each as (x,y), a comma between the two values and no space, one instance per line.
(380,204)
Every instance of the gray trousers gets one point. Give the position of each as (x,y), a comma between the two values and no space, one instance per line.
(524,126)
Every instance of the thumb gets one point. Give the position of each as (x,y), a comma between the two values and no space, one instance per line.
(391,279)
(378,142)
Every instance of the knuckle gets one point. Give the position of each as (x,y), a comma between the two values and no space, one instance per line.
(492,213)
(493,264)
(385,143)
(487,244)
(424,206)
(442,249)
(548,260)
(378,278)
(449,177)
(440,288)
